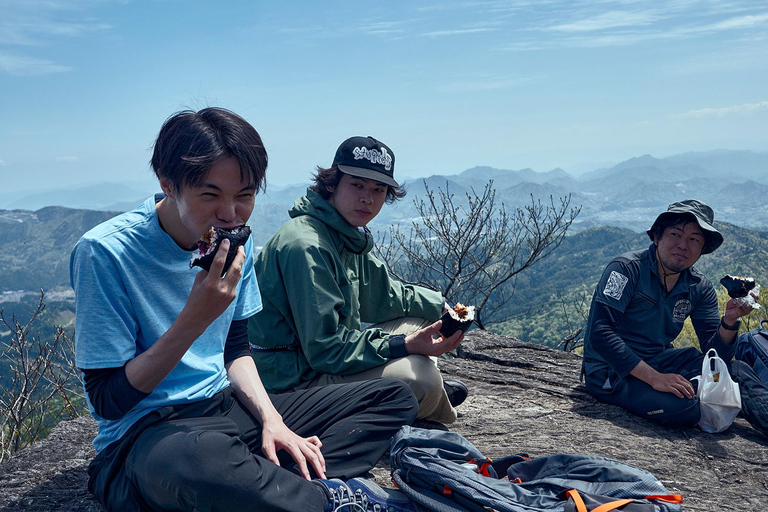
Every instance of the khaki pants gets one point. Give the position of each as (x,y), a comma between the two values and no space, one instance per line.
(419,372)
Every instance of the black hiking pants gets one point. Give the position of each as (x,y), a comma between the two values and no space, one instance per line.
(206,456)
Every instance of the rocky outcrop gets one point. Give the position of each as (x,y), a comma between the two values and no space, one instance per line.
(51,475)
(523,398)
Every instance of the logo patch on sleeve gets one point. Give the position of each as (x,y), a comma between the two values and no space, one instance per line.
(682,308)
(614,288)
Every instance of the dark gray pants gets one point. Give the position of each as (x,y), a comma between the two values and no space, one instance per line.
(641,399)
(207,456)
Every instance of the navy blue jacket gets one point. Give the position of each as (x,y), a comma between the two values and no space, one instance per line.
(632,318)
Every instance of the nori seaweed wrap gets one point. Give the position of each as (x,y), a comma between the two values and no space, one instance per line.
(209,243)
(459,318)
(738,286)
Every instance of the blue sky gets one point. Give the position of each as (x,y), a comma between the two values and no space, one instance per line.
(86,84)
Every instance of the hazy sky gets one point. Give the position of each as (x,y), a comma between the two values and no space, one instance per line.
(86,84)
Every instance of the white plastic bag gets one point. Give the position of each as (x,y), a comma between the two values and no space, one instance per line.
(718,394)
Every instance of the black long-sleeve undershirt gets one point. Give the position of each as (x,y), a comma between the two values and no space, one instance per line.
(237,341)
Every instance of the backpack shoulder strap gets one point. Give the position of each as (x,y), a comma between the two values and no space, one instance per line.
(605,507)
(608,506)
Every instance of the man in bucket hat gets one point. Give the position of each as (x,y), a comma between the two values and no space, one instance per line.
(320,282)
(638,309)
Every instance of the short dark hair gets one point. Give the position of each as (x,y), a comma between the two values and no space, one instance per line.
(674,220)
(330,177)
(190,142)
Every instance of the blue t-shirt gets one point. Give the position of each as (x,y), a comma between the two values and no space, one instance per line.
(131,281)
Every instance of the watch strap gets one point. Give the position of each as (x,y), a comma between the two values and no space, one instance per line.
(734,327)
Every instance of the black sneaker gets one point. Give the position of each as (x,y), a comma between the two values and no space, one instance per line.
(456,390)
(359,494)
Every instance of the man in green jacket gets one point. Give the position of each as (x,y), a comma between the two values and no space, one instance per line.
(319,282)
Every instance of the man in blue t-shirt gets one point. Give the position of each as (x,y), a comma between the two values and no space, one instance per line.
(638,309)
(184,420)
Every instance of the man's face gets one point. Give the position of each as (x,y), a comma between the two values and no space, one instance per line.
(222,201)
(680,246)
(358,200)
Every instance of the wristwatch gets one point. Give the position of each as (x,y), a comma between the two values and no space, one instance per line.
(734,327)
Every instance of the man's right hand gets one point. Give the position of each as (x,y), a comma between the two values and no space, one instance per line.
(665,382)
(675,384)
(211,294)
(425,343)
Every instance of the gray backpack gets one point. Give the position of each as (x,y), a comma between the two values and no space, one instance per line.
(750,369)
(444,472)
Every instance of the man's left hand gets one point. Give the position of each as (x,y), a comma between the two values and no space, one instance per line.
(737,308)
(429,342)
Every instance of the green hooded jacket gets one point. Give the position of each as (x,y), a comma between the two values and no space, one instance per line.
(318,283)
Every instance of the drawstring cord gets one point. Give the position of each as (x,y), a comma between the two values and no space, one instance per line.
(664,271)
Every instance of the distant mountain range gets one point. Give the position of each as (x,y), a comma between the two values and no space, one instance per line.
(40,243)
(632,193)
(629,194)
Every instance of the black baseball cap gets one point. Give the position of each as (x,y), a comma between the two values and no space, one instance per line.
(704,216)
(366,157)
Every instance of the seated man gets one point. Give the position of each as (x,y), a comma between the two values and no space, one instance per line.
(320,282)
(638,309)
(184,423)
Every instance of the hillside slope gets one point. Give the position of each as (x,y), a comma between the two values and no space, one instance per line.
(40,244)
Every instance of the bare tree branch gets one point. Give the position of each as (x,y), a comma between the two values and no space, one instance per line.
(44,384)
(472,249)
(573,338)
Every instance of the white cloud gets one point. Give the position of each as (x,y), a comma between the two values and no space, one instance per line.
(487,6)
(32,22)
(608,20)
(33,31)
(735,23)
(740,22)
(383,28)
(589,41)
(748,53)
(524,25)
(622,22)
(746,110)
(457,32)
(2,162)
(487,84)
(67,159)
(42,23)
(617,39)
(28,66)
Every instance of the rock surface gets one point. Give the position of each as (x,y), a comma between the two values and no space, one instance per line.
(523,398)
